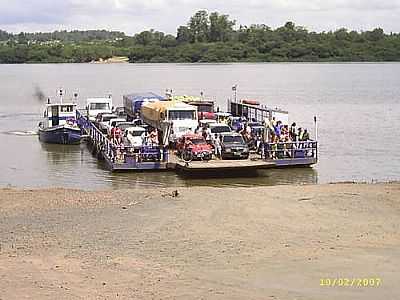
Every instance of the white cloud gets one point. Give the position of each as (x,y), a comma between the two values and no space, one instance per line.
(134,16)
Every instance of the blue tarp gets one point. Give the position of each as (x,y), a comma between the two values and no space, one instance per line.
(133,102)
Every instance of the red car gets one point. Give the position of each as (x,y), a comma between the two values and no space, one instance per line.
(196,145)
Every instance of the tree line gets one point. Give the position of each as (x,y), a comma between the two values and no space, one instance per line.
(206,37)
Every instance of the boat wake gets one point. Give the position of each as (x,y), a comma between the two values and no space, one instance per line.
(22,133)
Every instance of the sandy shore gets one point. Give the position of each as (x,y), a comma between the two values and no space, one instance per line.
(206,243)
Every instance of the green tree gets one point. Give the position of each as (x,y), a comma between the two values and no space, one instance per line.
(198,26)
(220,28)
(184,35)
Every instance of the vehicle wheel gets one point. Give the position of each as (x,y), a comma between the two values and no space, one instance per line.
(187,156)
(207,157)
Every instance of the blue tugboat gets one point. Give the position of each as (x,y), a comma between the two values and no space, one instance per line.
(59,124)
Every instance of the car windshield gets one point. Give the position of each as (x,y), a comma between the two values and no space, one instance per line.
(99,106)
(220,129)
(197,141)
(181,115)
(233,139)
(114,123)
(107,118)
(136,132)
(124,126)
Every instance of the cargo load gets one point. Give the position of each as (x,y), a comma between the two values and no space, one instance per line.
(133,102)
(182,116)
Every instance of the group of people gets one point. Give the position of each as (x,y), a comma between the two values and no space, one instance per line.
(122,144)
(284,140)
(284,133)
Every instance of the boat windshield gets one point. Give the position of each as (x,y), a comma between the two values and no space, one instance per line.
(233,139)
(66,108)
(181,115)
(99,106)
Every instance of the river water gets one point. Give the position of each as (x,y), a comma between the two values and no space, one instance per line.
(357,105)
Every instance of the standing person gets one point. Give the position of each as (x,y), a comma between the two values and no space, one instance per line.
(208,135)
(306,135)
(300,137)
(273,122)
(204,132)
(154,137)
(300,134)
(292,132)
(217,146)
(278,129)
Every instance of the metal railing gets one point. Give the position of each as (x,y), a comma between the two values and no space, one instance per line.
(291,150)
(119,153)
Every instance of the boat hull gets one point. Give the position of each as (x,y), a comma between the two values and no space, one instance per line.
(60,135)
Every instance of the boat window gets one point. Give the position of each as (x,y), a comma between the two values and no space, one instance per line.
(99,106)
(66,108)
(181,115)
(233,139)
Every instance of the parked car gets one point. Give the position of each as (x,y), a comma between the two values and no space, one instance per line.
(196,145)
(135,136)
(134,123)
(113,123)
(233,146)
(102,119)
(120,111)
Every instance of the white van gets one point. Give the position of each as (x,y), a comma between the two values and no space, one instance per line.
(94,106)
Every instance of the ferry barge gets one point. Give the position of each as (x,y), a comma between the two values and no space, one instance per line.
(168,120)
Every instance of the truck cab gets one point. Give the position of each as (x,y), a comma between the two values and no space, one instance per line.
(94,106)
(184,119)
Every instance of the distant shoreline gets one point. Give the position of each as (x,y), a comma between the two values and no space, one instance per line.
(112,61)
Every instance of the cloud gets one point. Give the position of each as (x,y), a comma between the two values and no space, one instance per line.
(134,16)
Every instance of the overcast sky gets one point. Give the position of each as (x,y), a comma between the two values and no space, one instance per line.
(133,16)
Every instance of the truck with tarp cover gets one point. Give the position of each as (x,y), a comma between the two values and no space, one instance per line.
(182,117)
(133,102)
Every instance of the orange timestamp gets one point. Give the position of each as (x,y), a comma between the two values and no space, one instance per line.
(350,282)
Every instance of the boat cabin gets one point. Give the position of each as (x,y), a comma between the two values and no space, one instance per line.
(59,114)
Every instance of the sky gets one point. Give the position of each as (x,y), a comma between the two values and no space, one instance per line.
(132,16)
